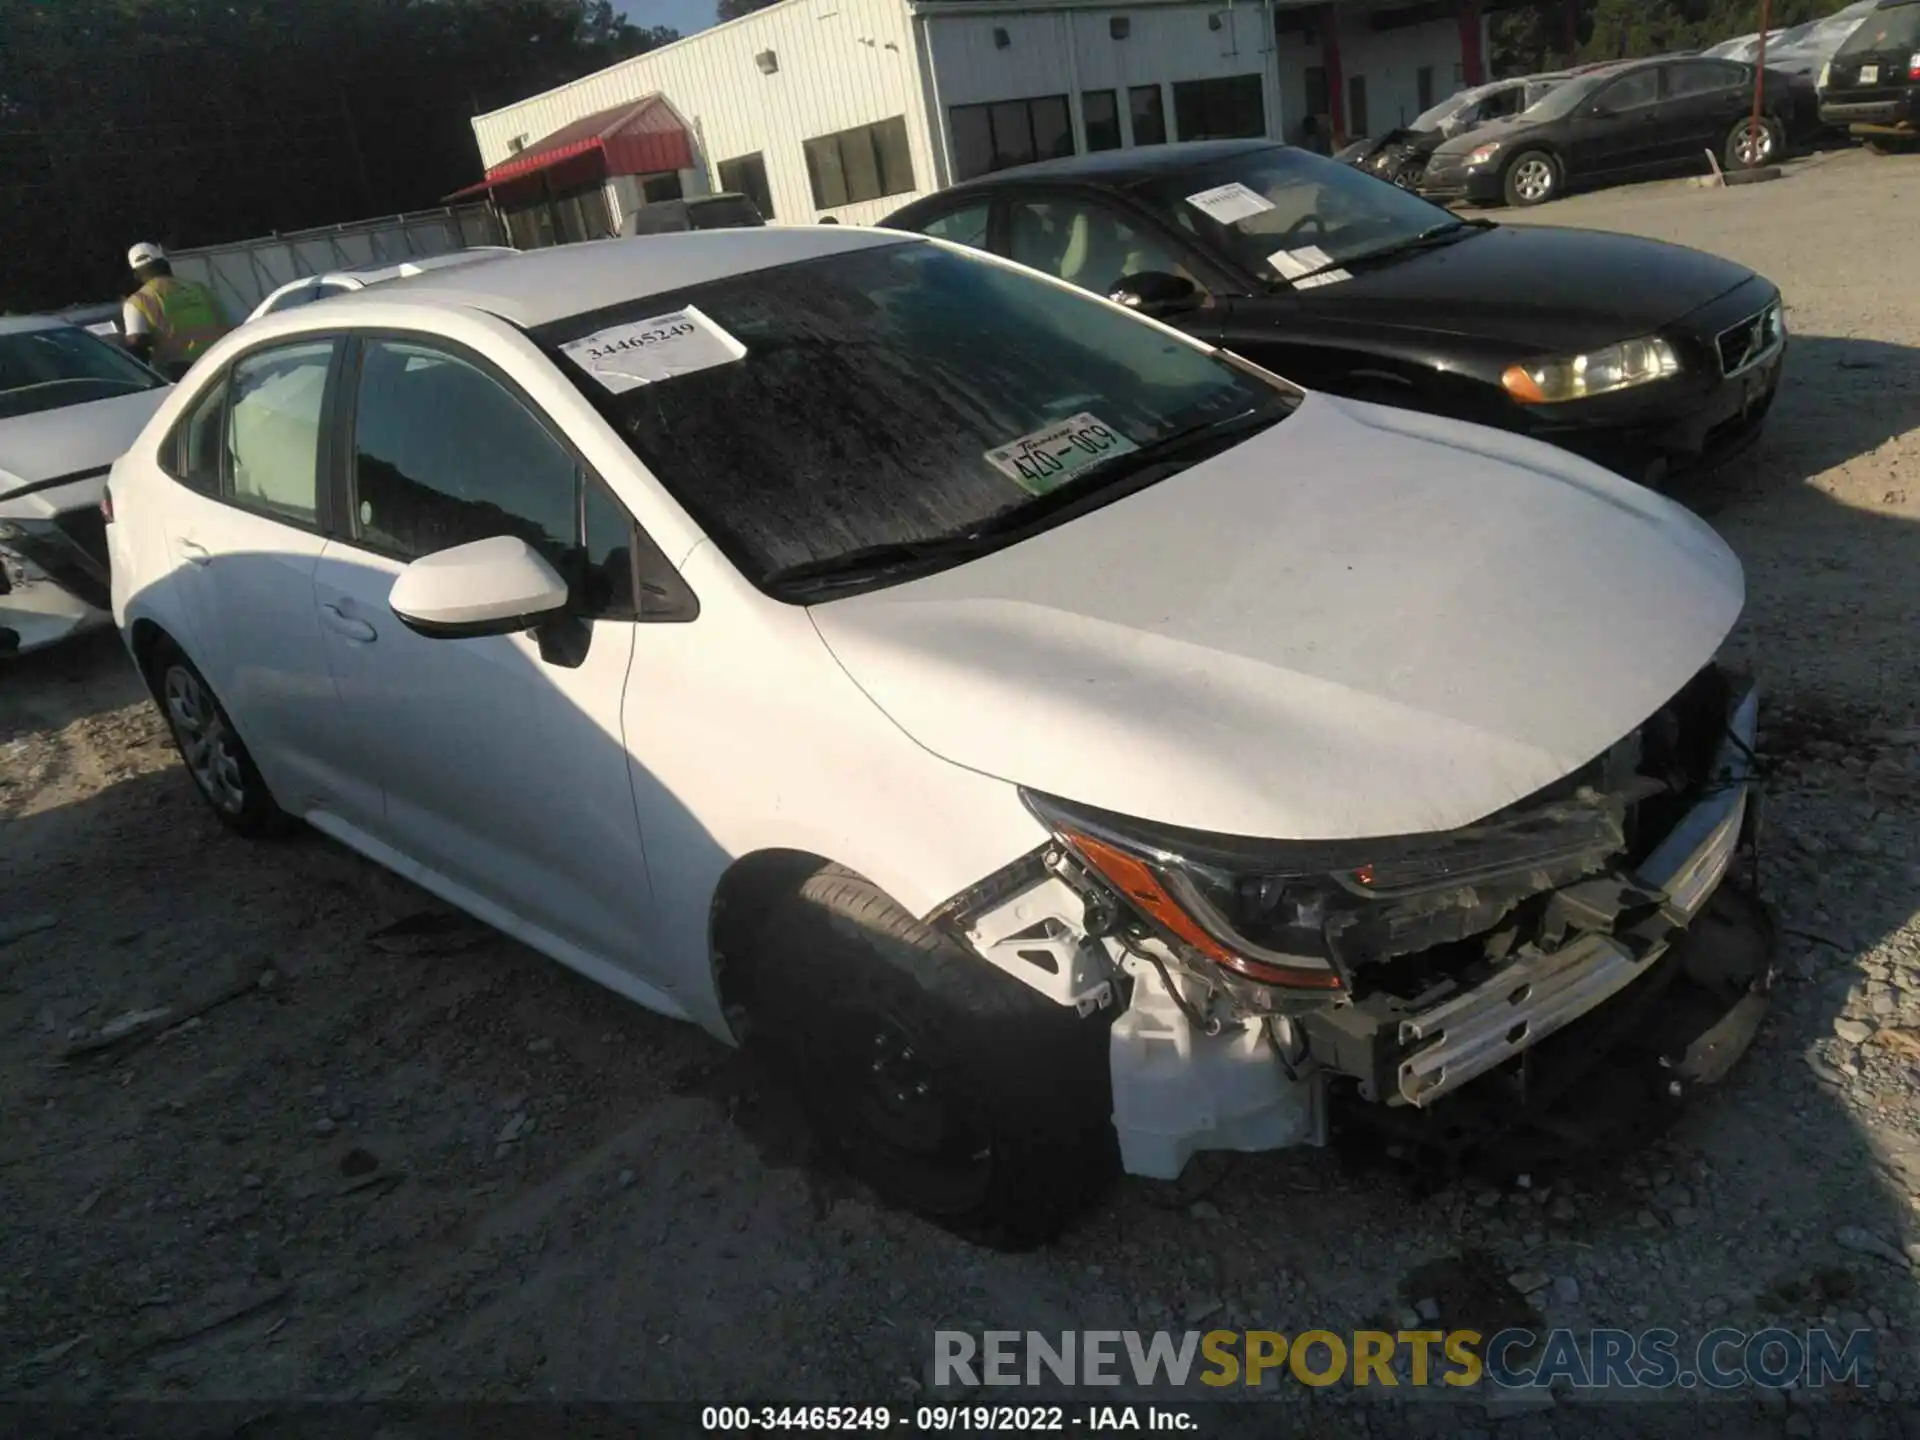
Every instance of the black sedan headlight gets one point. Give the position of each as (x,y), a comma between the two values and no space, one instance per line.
(1301,914)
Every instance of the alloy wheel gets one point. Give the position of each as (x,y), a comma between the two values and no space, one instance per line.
(210,748)
(1533,180)
(1755,145)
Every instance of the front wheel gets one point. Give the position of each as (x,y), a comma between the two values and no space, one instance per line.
(944,1083)
(1752,144)
(217,759)
(1533,178)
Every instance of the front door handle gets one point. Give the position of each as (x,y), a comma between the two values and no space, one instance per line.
(194,553)
(341,623)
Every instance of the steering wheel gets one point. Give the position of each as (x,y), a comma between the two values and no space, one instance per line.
(1293,234)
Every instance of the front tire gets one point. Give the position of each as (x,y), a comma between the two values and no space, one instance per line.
(1533,178)
(217,759)
(949,1087)
(1750,146)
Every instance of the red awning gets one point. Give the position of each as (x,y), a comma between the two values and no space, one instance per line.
(643,138)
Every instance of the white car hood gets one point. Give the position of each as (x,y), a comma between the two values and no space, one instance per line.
(73,439)
(1361,622)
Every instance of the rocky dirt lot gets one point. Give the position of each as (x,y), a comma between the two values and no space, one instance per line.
(429,1164)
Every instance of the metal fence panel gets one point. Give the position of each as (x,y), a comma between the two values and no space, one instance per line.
(245,272)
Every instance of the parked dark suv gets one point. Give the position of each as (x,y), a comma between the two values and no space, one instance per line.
(1872,84)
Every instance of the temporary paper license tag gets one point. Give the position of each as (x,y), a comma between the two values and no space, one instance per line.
(1230,202)
(657,348)
(1047,459)
(1322,277)
(1292,264)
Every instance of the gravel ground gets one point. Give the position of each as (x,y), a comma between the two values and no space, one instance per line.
(437,1166)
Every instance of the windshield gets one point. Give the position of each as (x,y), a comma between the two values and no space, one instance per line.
(1564,98)
(64,365)
(1284,214)
(1894,29)
(886,396)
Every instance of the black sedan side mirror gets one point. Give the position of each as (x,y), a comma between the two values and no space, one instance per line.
(1156,293)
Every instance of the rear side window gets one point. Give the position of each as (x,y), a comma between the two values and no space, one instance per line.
(1703,77)
(198,441)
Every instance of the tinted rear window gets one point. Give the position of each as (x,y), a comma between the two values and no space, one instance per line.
(1895,29)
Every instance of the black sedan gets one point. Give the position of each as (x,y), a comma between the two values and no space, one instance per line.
(1618,123)
(1644,356)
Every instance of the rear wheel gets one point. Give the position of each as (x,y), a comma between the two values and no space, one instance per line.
(947,1085)
(217,759)
(1752,144)
(1533,178)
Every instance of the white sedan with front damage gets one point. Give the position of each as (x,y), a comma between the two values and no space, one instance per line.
(1035,729)
(70,404)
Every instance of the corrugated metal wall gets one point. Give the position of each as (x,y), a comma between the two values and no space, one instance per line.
(841,63)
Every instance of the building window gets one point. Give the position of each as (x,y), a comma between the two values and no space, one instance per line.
(748,176)
(1220,109)
(1012,132)
(1149,115)
(863,163)
(1423,87)
(664,186)
(1357,126)
(1101,110)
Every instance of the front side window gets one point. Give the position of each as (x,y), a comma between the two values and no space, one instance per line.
(1009,133)
(274,410)
(1085,244)
(1227,109)
(864,163)
(64,365)
(862,399)
(1314,213)
(443,454)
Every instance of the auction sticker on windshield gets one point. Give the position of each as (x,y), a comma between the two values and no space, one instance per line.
(644,352)
(1229,203)
(1047,459)
(1292,264)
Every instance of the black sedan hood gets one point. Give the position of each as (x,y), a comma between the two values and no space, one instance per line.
(1533,286)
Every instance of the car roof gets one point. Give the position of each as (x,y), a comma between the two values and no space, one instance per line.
(420,264)
(1122,167)
(540,286)
(25,324)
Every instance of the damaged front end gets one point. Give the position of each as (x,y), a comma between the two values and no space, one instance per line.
(1262,981)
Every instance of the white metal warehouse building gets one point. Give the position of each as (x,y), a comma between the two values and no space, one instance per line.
(851,108)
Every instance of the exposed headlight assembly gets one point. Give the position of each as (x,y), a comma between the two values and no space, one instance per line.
(1596,372)
(1298,914)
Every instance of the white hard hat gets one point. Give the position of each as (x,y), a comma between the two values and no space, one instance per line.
(145,253)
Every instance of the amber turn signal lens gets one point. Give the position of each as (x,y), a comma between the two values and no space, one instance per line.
(1139,884)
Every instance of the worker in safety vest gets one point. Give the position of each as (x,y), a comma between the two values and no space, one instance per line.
(168,322)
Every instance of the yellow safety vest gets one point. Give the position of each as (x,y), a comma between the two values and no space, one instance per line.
(184,316)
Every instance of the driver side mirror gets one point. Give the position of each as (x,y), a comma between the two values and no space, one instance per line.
(1156,293)
(497,586)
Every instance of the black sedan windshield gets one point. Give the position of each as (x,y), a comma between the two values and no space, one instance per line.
(1286,214)
(894,396)
(64,365)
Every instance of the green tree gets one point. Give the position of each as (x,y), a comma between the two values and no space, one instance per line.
(195,121)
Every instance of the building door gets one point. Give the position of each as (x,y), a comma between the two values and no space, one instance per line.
(1357,126)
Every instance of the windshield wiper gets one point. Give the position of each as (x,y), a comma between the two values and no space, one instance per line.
(1446,230)
(1133,470)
